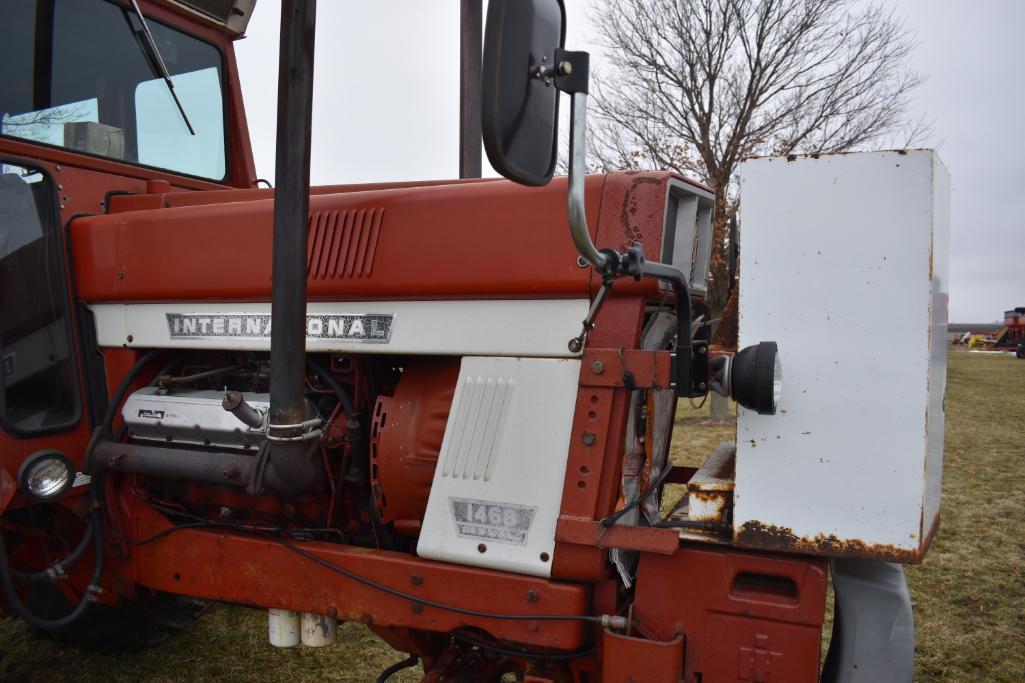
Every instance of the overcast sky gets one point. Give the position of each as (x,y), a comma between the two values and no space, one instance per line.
(386,108)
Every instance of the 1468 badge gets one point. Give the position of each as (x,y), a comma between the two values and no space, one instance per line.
(491,521)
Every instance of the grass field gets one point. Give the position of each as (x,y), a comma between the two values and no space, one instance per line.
(969,594)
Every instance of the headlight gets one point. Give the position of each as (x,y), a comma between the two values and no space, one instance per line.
(753,378)
(46,475)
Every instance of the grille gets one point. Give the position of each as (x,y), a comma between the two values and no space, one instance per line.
(342,244)
(477,427)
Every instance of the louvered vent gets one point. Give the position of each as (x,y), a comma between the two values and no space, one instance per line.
(342,244)
(477,427)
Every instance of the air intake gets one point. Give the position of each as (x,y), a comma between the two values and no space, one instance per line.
(342,244)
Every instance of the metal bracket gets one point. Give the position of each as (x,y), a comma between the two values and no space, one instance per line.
(572,71)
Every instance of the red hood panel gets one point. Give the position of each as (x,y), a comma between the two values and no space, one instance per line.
(467,240)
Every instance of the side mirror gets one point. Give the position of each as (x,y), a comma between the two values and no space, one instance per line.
(519,100)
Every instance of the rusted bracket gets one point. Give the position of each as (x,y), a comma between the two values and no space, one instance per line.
(630,368)
(591,533)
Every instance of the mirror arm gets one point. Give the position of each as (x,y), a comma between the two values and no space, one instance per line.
(577,179)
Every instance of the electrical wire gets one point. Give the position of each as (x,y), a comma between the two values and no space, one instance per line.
(616,516)
(512,652)
(691,524)
(274,537)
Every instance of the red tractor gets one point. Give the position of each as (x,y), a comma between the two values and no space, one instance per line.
(421,406)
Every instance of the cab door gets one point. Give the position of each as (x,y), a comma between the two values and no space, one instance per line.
(40,402)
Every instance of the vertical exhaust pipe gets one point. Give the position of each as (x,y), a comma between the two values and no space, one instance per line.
(291,470)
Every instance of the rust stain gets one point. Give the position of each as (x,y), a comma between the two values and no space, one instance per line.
(710,497)
(755,534)
(727,469)
(632,233)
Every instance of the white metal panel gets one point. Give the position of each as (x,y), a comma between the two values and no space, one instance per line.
(843,263)
(497,489)
(508,327)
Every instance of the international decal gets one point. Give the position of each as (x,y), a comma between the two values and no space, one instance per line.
(360,328)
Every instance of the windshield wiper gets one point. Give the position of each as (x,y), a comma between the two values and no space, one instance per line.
(158,62)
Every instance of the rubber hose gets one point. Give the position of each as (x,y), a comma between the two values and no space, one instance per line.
(52,571)
(407,663)
(35,621)
(329,379)
(122,389)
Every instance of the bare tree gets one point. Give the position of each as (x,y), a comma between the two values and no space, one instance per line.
(696,86)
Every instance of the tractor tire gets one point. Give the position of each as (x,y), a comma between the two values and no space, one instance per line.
(127,627)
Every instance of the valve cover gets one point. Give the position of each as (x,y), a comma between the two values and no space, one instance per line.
(192,417)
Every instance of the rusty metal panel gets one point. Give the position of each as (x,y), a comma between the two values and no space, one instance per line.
(844,264)
(629,659)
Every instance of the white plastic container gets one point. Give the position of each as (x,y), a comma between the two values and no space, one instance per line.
(283,627)
(318,630)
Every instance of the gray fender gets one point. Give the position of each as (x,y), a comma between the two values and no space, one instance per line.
(873,627)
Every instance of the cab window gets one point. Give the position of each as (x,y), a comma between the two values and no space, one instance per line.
(37,383)
(81,74)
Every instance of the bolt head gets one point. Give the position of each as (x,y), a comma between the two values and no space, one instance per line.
(565,68)
(597,367)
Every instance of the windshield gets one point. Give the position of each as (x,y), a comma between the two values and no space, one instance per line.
(78,74)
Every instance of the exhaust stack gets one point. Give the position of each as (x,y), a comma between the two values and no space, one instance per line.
(291,469)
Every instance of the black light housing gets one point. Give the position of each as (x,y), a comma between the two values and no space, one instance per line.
(753,378)
(46,475)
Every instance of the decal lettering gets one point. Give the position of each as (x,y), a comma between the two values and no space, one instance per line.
(491,521)
(363,328)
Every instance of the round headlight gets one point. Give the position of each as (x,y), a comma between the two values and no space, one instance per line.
(46,475)
(756,378)
(777,383)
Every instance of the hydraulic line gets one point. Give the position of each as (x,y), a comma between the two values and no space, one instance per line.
(36,621)
(122,389)
(407,663)
(94,532)
(58,570)
(334,384)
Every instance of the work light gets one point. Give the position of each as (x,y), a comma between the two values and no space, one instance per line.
(46,475)
(753,377)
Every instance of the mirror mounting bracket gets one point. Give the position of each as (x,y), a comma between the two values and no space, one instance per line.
(572,71)
(688,381)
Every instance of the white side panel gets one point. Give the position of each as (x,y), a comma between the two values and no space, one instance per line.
(938,343)
(497,488)
(843,263)
(510,327)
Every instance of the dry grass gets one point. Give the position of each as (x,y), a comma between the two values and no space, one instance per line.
(969,595)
